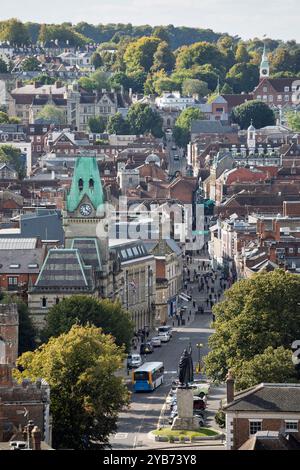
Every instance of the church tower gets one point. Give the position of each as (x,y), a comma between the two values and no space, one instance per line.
(264,70)
(85,208)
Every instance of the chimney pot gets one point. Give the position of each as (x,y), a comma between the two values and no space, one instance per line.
(36,438)
(229,387)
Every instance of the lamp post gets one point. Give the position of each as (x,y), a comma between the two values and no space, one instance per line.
(198,367)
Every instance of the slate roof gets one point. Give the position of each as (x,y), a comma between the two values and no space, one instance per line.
(267,397)
(24,261)
(128,250)
(235,99)
(202,126)
(89,251)
(64,269)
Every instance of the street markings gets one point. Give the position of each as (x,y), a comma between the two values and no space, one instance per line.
(121,435)
(184,338)
(170,372)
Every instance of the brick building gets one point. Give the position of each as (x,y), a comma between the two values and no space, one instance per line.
(19,402)
(264,407)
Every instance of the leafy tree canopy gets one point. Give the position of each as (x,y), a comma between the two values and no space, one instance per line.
(182,130)
(86,395)
(12,156)
(293,121)
(118,125)
(143,119)
(83,309)
(30,64)
(193,86)
(255,111)
(254,328)
(97,124)
(139,55)
(52,114)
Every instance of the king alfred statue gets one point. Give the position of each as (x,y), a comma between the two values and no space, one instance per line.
(185,369)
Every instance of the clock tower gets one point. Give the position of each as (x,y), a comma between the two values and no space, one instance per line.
(85,208)
(264,70)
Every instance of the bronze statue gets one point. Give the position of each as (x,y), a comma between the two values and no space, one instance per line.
(185,369)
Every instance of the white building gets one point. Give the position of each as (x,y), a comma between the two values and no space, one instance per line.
(174,101)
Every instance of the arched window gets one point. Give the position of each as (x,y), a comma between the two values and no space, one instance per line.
(80,184)
(91,183)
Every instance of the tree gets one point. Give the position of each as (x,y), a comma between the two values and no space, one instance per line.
(243,77)
(182,130)
(293,121)
(3,66)
(256,111)
(120,79)
(226,89)
(12,156)
(44,79)
(118,125)
(241,54)
(27,333)
(200,53)
(193,86)
(87,83)
(142,119)
(100,79)
(139,55)
(163,58)
(30,64)
(97,124)
(4,118)
(52,114)
(274,365)
(257,313)
(96,60)
(83,309)
(86,395)
(14,31)
(161,33)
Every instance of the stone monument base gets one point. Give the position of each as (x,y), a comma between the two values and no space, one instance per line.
(185,419)
(187,424)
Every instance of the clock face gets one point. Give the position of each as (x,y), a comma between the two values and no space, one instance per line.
(85,209)
(264,71)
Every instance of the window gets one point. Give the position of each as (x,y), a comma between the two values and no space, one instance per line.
(291,426)
(12,281)
(286,88)
(254,427)
(258,97)
(91,183)
(44,302)
(57,300)
(265,89)
(286,97)
(80,184)
(270,97)
(279,98)
(291,250)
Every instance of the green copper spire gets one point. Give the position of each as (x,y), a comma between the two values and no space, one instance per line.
(86,182)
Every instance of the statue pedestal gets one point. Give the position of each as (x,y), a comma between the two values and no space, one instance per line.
(185,419)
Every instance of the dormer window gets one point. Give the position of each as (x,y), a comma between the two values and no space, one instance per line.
(80,184)
(91,183)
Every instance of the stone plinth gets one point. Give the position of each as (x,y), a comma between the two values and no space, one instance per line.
(185,419)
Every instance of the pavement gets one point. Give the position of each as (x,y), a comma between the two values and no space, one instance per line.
(145,409)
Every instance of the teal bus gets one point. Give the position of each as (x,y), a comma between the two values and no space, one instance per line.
(148,376)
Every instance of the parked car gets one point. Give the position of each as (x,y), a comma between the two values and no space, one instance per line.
(146,348)
(156,341)
(199,404)
(165,329)
(134,360)
(165,337)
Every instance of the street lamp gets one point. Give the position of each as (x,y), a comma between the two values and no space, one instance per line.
(198,366)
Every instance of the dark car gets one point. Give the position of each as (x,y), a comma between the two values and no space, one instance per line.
(146,348)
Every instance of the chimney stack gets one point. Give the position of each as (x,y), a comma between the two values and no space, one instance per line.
(229,387)
(36,438)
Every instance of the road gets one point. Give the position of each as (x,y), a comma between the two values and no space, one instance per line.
(174,164)
(145,408)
